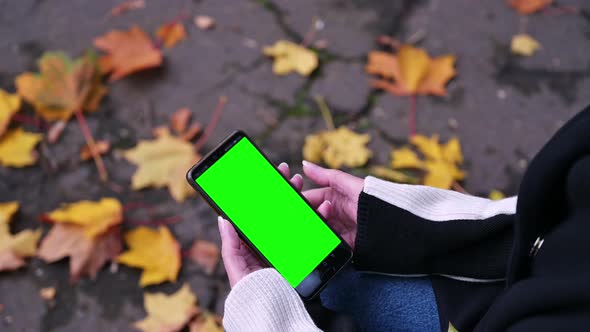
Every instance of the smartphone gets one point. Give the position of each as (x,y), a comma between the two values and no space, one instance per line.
(269,214)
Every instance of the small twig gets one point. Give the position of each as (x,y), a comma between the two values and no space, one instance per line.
(316,25)
(523,24)
(412,116)
(212,123)
(389,41)
(39,124)
(459,188)
(102,171)
(417,37)
(325,110)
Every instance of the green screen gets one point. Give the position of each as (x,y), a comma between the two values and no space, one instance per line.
(250,191)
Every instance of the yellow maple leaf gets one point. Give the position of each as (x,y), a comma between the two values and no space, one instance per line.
(95,217)
(412,70)
(13,248)
(206,322)
(17,148)
(163,162)
(337,148)
(168,313)
(526,7)
(429,146)
(405,158)
(392,175)
(496,195)
(291,57)
(523,44)
(63,86)
(155,251)
(452,328)
(9,104)
(171,34)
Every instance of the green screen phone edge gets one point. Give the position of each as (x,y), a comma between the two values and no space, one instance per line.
(240,183)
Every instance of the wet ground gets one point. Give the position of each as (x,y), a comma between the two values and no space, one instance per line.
(502,107)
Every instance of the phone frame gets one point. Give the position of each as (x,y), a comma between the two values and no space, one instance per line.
(340,256)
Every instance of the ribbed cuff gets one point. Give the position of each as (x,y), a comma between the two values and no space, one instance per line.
(264,301)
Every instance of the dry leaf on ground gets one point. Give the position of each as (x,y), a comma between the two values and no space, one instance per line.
(441,164)
(102,147)
(412,70)
(162,163)
(523,44)
(95,217)
(154,251)
(14,248)
(62,86)
(204,22)
(392,175)
(206,254)
(529,6)
(170,34)
(206,322)
(180,119)
(289,57)
(126,6)
(337,148)
(87,255)
(17,148)
(127,52)
(9,104)
(168,313)
(496,195)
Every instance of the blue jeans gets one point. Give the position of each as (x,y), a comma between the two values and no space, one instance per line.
(383,303)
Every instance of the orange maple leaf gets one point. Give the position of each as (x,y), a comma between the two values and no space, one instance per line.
(412,70)
(170,34)
(128,52)
(526,7)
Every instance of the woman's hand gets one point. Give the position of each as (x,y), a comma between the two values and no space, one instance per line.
(342,190)
(238,259)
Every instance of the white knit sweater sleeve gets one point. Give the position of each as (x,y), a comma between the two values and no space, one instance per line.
(264,301)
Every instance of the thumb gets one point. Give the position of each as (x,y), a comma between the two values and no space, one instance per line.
(229,237)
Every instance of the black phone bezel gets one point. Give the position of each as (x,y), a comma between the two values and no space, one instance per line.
(327,269)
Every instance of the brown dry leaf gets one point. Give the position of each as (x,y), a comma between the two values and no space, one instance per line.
(162,163)
(170,34)
(62,86)
(337,148)
(526,7)
(204,22)
(126,6)
(47,293)
(168,313)
(95,217)
(87,255)
(411,71)
(17,148)
(155,251)
(206,254)
(206,322)
(290,57)
(180,119)
(102,147)
(191,132)
(14,248)
(9,104)
(127,52)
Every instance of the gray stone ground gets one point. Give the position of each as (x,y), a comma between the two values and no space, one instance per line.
(503,109)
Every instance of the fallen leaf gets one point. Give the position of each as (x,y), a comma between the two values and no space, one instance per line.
(496,195)
(9,104)
(392,175)
(127,52)
(204,22)
(126,6)
(162,163)
(289,57)
(95,217)
(337,148)
(14,248)
(523,44)
(191,132)
(206,254)
(102,147)
(170,34)
(47,293)
(55,131)
(87,255)
(526,7)
(411,71)
(452,328)
(17,148)
(405,158)
(180,119)
(206,323)
(62,86)
(168,313)
(154,251)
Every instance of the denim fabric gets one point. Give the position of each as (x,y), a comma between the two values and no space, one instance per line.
(383,303)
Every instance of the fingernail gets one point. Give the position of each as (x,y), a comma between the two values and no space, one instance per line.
(307,163)
(328,202)
(220,224)
(283,164)
(298,176)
